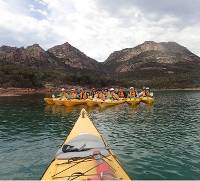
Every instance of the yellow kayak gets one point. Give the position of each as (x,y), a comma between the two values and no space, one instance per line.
(133,101)
(147,100)
(49,101)
(91,102)
(85,156)
(73,102)
(58,101)
(108,103)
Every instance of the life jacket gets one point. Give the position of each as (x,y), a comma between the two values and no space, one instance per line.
(144,94)
(85,96)
(109,96)
(115,96)
(92,93)
(63,95)
(74,95)
(81,95)
(101,96)
(96,96)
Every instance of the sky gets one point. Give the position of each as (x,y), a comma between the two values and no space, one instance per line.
(99,27)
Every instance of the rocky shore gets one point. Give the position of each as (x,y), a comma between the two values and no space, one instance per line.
(22,91)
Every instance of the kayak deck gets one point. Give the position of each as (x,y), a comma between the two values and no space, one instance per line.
(90,164)
(133,101)
(73,102)
(147,100)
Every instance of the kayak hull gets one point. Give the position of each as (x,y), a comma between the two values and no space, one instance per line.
(91,103)
(49,101)
(58,101)
(147,100)
(133,101)
(73,102)
(105,104)
(70,169)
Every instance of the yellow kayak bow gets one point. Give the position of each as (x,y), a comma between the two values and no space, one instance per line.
(85,156)
(49,101)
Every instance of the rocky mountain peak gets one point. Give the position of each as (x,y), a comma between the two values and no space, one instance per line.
(150,53)
(73,57)
(5,48)
(36,52)
(32,55)
(35,46)
(167,48)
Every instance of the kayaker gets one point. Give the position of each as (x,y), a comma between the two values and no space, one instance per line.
(62,94)
(109,96)
(83,94)
(96,95)
(121,93)
(148,92)
(113,94)
(73,94)
(132,93)
(102,96)
(105,93)
(143,93)
(92,93)
(88,95)
(69,95)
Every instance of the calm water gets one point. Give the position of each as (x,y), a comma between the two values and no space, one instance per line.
(159,142)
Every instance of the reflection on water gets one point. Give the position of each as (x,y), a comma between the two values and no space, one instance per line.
(58,109)
(152,142)
(62,110)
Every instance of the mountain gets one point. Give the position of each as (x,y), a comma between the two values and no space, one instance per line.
(33,56)
(163,65)
(63,55)
(161,54)
(62,64)
(73,57)
(159,65)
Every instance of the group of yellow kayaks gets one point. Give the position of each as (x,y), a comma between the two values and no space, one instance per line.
(99,102)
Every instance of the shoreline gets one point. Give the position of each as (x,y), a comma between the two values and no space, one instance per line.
(178,89)
(12,91)
(8,92)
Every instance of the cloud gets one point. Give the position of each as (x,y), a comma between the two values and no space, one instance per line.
(99,27)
